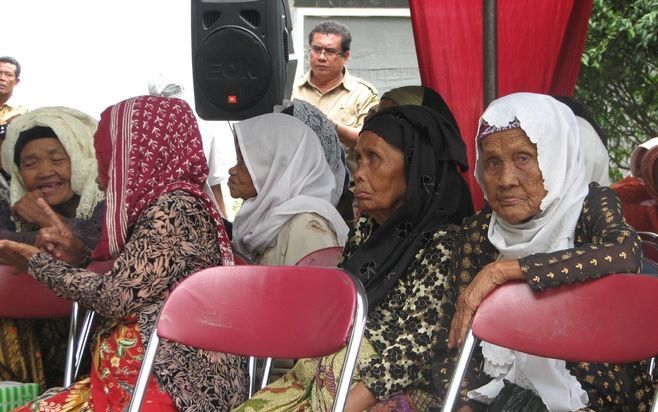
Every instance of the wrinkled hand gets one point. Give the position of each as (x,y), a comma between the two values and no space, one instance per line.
(491,276)
(27,209)
(16,254)
(58,239)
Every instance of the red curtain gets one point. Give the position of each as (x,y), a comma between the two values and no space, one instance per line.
(540,44)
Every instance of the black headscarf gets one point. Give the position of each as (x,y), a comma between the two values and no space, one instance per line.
(26,136)
(436,195)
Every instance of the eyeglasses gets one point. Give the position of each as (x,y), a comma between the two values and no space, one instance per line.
(317,50)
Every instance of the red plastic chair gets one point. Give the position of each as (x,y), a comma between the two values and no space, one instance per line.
(208,311)
(326,257)
(22,296)
(590,322)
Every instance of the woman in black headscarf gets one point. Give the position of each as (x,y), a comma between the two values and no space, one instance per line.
(411,195)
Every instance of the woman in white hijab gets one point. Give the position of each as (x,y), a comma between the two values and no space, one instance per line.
(49,154)
(287,187)
(547,225)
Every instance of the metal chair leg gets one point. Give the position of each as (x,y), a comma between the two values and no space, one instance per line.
(70,348)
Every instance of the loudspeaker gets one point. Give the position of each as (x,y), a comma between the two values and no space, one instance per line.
(240,57)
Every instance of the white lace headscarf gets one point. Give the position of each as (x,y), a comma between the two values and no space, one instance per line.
(75,130)
(287,166)
(553,128)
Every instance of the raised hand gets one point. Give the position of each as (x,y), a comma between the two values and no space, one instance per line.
(57,238)
(27,210)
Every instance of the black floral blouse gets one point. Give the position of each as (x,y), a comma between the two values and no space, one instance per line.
(173,239)
(604,244)
(411,321)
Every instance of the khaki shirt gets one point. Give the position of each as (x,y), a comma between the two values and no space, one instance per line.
(7,112)
(347,103)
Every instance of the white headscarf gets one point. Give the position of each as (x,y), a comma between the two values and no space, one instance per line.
(553,128)
(597,160)
(75,131)
(287,165)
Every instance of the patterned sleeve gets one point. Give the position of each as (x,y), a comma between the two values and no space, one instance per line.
(472,252)
(606,244)
(408,324)
(171,231)
(88,230)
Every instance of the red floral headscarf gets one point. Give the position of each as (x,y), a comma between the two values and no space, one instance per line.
(148,146)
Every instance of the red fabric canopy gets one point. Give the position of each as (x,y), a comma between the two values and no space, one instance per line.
(540,44)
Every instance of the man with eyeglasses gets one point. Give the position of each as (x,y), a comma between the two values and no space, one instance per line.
(10,70)
(345,99)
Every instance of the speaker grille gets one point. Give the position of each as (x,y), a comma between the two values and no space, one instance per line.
(210,17)
(251,16)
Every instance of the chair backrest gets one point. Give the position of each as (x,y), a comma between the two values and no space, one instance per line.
(22,296)
(610,319)
(650,250)
(648,236)
(264,311)
(325,257)
(275,311)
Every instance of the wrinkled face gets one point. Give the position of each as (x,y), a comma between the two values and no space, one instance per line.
(380,185)
(326,56)
(45,166)
(239,182)
(7,78)
(510,175)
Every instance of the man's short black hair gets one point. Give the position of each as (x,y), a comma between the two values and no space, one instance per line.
(11,60)
(333,27)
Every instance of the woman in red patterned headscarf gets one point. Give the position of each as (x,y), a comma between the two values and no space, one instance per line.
(161,228)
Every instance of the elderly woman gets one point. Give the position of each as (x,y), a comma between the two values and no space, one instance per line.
(287,188)
(161,228)
(333,150)
(411,194)
(547,225)
(639,191)
(48,153)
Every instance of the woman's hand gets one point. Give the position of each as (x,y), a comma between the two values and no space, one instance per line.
(16,254)
(27,209)
(359,398)
(492,275)
(57,238)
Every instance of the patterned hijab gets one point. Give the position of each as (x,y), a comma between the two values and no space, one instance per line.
(436,195)
(286,164)
(148,146)
(334,153)
(75,131)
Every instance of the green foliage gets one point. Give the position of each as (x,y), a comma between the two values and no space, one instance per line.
(619,75)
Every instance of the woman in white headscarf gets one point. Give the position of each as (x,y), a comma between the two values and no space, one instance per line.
(49,154)
(287,187)
(547,225)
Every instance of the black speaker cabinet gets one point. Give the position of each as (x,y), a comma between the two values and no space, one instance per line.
(240,57)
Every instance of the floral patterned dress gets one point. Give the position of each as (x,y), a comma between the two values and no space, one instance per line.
(401,335)
(173,239)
